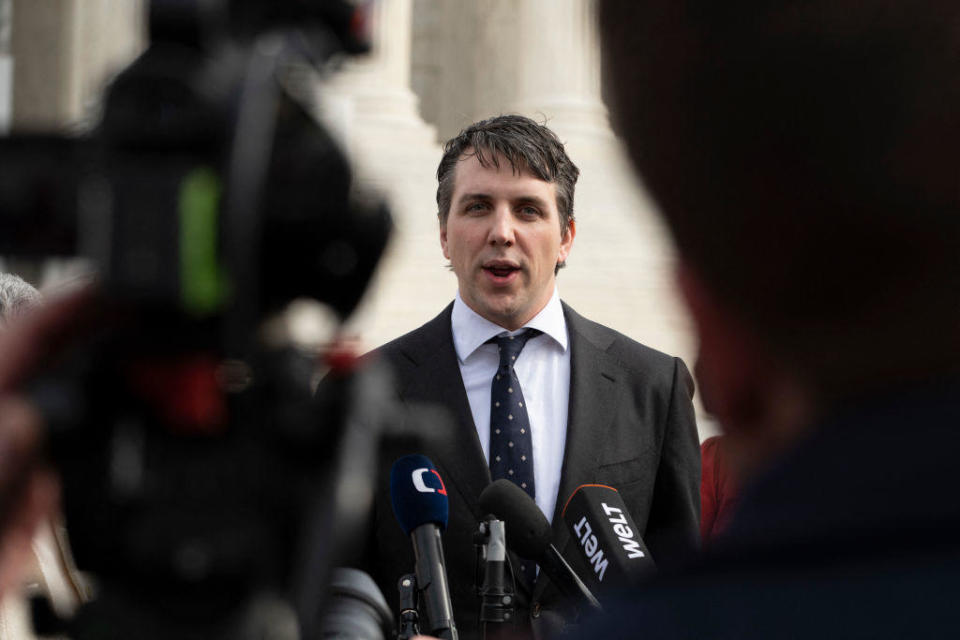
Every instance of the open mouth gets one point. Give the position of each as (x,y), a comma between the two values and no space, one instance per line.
(500,271)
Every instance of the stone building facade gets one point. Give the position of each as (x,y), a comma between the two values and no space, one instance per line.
(436,66)
(439,65)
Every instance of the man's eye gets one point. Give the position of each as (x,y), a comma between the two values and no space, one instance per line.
(477,206)
(529,212)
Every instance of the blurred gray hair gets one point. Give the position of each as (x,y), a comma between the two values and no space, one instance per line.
(16,296)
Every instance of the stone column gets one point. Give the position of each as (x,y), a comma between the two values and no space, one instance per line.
(64,52)
(6,65)
(369,101)
(559,66)
(372,109)
(40,44)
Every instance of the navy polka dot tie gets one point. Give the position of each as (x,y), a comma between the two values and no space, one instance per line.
(511,449)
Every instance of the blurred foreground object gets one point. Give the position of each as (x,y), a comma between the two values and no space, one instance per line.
(803,158)
(718,488)
(202,483)
(48,568)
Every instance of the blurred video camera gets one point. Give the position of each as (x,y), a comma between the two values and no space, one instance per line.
(203,481)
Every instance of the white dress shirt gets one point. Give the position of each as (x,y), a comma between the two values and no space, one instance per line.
(543,368)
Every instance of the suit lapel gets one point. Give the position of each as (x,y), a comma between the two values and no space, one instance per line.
(593,376)
(436,379)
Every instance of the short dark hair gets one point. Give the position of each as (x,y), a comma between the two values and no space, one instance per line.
(804,156)
(525,144)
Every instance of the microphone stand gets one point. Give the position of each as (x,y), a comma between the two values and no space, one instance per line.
(567,581)
(409,618)
(495,591)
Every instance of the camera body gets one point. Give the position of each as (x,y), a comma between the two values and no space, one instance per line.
(197,465)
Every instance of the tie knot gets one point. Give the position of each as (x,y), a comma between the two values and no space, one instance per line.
(511,346)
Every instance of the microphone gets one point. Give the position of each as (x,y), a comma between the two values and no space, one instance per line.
(495,591)
(608,539)
(528,534)
(419,500)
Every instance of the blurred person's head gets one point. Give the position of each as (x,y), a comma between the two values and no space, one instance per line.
(505,203)
(16,297)
(804,156)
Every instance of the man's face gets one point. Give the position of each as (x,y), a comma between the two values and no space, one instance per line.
(503,238)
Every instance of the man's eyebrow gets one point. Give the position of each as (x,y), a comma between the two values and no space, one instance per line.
(474,196)
(536,200)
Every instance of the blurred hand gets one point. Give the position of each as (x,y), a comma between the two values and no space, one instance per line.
(29,491)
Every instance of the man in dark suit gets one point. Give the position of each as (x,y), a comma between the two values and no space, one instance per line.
(804,155)
(592,405)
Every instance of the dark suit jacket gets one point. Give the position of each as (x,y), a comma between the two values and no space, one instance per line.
(630,426)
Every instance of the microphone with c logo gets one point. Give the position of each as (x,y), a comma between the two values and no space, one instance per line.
(421,486)
(419,500)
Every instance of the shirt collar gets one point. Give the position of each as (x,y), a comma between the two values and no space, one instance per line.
(471,330)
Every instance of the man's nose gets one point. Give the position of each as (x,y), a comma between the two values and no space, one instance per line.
(502,227)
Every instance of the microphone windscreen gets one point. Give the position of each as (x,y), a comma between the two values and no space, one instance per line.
(612,552)
(527,529)
(417,493)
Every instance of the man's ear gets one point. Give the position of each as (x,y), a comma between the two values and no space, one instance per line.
(443,240)
(566,241)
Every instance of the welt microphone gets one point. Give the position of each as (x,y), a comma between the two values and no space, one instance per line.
(529,535)
(419,500)
(607,538)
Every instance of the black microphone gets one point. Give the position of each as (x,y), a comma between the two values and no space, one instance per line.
(419,500)
(609,540)
(495,590)
(528,534)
